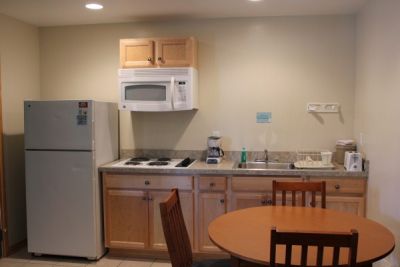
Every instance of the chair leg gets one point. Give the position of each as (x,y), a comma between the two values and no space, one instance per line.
(235,262)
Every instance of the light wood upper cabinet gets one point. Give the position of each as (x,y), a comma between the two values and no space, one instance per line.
(136,53)
(176,52)
(158,52)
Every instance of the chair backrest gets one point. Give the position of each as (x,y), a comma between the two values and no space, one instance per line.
(320,240)
(175,232)
(303,187)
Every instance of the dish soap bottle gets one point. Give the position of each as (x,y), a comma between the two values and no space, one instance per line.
(243,157)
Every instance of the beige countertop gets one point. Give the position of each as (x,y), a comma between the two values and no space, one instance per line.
(227,167)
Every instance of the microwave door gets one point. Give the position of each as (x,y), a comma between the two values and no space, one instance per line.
(147,96)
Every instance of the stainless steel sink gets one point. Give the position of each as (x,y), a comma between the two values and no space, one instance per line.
(253,165)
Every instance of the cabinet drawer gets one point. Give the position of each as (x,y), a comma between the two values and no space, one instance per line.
(148,181)
(343,185)
(258,184)
(212,183)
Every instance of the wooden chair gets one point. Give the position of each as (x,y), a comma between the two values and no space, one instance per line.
(319,240)
(177,237)
(303,187)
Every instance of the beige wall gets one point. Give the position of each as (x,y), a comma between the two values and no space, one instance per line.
(377,109)
(19,59)
(245,65)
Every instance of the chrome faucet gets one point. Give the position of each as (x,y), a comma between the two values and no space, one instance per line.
(265,159)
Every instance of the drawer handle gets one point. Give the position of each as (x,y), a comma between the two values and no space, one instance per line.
(222,201)
(146,182)
(263,202)
(337,186)
(149,59)
(269,202)
(212,184)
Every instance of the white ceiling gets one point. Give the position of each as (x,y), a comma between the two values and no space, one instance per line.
(73,12)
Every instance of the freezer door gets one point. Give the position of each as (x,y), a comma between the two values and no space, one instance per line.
(61,195)
(59,125)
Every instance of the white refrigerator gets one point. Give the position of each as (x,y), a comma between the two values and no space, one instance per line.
(65,142)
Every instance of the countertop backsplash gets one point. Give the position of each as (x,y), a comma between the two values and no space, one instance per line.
(277,156)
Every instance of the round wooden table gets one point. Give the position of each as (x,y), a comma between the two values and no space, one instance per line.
(245,234)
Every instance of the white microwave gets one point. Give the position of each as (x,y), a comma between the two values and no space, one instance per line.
(158,89)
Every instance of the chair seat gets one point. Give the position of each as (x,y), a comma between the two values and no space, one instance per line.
(212,263)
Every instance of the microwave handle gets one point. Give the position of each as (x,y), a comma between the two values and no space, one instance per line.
(172,91)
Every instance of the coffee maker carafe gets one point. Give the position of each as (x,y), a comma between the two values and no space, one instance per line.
(214,150)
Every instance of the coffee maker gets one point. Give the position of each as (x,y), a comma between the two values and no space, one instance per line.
(214,150)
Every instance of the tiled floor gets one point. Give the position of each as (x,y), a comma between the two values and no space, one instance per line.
(23,259)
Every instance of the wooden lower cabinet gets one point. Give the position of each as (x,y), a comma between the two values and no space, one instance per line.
(211,205)
(345,194)
(157,240)
(126,213)
(350,204)
(249,200)
(255,191)
(132,215)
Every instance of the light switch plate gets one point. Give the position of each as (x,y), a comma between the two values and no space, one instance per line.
(323,107)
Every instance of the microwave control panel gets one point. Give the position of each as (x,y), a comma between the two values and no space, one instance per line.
(181,91)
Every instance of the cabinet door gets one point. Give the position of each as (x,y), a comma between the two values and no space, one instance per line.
(354,205)
(136,53)
(157,240)
(126,213)
(248,200)
(211,205)
(175,52)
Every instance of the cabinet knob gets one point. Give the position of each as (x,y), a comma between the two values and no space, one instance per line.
(149,59)
(263,202)
(159,58)
(144,198)
(337,186)
(146,182)
(212,184)
(222,201)
(269,202)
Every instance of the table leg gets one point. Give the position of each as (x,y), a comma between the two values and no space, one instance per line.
(235,262)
